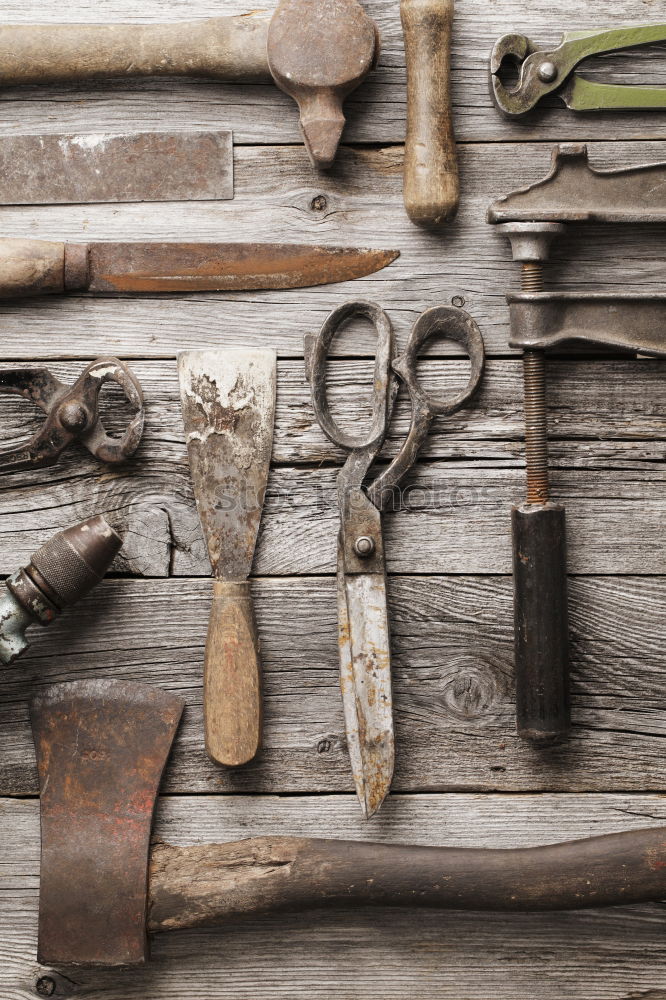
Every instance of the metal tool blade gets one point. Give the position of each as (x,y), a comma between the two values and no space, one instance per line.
(101,748)
(225,267)
(228,401)
(365,682)
(102,167)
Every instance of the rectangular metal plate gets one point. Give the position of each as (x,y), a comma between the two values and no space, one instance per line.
(102,167)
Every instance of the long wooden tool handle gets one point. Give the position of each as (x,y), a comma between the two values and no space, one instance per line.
(229,48)
(232,677)
(431,182)
(206,884)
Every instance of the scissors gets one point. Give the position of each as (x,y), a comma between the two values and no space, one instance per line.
(72,413)
(363,626)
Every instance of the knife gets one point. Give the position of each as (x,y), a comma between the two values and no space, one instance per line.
(39,267)
(228,402)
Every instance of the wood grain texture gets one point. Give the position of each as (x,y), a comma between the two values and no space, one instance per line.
(452,633)
(376,111)
(453,684)
(607,429)
(357,953)
(431,181)
(359,203)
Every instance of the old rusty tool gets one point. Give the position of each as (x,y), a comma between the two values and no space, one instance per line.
(318,53)
(101,748)
(431,182)
(59,574)
(228,399)
(532,218)
(40,267)
(72,414)
(102,167)
(363,627)
(552,71)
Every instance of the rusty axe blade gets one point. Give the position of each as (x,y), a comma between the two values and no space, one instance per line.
(101,748)
(228,399)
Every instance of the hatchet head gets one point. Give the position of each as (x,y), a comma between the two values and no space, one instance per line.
(101,748)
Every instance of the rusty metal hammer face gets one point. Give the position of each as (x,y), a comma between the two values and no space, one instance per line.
(317,51)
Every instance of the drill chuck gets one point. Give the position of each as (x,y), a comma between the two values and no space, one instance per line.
(59,574)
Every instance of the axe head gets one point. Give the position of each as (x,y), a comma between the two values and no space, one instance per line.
(101,749)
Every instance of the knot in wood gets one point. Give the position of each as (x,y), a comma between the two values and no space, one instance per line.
(470,689)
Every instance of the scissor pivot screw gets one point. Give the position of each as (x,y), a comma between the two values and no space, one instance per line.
(364,547)
(547,72)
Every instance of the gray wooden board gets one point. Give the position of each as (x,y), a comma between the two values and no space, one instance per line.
(354,954)
(462,776)
(279,198)
(452,671)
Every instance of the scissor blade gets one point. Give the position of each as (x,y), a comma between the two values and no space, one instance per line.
(196,267)
(365,681)
(586,95)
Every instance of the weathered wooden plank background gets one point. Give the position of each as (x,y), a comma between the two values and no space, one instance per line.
(462,777)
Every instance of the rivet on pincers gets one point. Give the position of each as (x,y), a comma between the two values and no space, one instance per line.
(547,72)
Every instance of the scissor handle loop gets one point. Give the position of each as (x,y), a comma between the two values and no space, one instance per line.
(102,445)
(382,396)
(453,324)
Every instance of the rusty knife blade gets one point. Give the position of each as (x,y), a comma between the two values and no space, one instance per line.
(228,402)
(225,267)
(101,748)
(365,682)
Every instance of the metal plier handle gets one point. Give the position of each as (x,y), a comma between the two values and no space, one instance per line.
(544,71)
(72,414)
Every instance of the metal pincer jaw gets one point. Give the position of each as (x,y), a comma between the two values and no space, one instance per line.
(512,49)
(72,413)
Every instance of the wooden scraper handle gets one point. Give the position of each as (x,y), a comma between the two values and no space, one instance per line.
(232,678)
(431,183)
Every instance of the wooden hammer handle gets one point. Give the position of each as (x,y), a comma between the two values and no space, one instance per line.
(232,685)
(431,183)
(212,883)
(227,48)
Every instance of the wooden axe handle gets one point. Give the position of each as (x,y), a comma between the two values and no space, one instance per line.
(208,884)
(226,48)
(431,184)
(232,678)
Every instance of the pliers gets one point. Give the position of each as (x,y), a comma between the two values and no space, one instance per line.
(72,414)
(548,71)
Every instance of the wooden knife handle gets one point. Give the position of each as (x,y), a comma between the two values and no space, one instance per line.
(431,182)
(39,267)
(226,48)
(232,683)
(212,883)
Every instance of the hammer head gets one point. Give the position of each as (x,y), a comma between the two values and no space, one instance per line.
(101,748)
(318,52)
